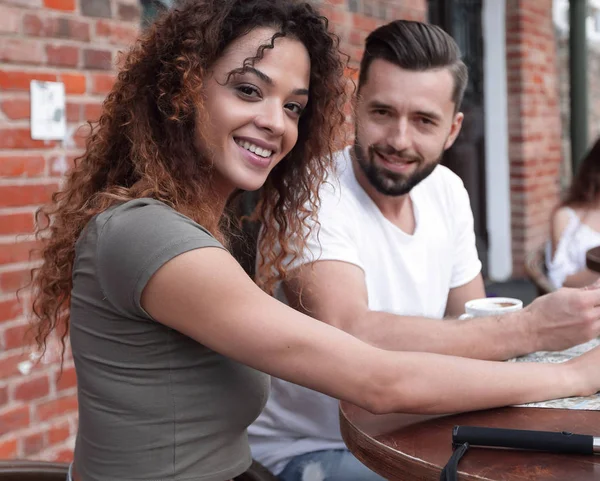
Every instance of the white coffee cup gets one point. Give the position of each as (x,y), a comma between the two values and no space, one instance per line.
(491,306)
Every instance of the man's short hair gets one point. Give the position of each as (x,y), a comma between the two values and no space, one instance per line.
(415,46)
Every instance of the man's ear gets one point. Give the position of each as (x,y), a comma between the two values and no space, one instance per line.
(454,129)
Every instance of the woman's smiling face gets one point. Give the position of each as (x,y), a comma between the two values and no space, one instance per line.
(252,117)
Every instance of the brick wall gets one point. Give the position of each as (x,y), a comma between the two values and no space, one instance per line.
(534,123)
(593,72)
(353,20)
(75,42)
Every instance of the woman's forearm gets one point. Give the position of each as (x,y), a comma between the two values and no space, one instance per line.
(438,384)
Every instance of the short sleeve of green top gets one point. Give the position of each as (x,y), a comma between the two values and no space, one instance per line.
(153,403)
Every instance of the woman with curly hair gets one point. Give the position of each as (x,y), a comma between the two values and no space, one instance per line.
(169,335)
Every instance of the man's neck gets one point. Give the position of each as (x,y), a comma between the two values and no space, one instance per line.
(397,209)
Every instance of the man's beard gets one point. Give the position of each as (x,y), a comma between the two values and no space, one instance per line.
(392,183)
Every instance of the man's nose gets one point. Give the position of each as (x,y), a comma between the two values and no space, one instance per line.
(399,136)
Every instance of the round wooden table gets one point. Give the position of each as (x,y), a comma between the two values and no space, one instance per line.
(414,448)
(592,259)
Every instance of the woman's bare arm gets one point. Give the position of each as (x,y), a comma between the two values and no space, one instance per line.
(206,295)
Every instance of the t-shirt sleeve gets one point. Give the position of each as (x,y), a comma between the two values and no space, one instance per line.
(466,260)
(134,240)
(333,238)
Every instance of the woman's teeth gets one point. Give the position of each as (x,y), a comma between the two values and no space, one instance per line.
(255,149)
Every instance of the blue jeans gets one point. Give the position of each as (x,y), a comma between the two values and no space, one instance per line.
(330,465)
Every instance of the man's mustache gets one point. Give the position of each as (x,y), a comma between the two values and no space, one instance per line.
(391,152)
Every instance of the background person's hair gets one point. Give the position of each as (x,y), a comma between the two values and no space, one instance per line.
(145,145)
(415,46)
(584,190)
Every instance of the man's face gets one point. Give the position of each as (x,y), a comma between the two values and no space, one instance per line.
(405,120)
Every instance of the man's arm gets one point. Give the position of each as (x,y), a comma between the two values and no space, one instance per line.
(335,292)
(467,292)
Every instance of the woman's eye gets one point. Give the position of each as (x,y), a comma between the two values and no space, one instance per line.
(380,112)
(295,108)
(248,90)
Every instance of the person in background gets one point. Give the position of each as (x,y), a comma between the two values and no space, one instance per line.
(172,341)
(394,252)
(575,226)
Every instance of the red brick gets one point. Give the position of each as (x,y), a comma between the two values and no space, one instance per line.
(364,23)
(74,29)
(12,281)
(17,252)
(9,366)
(74,83)
(116,33)
(31,389)
(13,418)
(18,80)
(73,112)
(57,164)
(20,138)
(16,109)
(102,83)
(80,138)
(10,19)
(67,379)
(33,444)
(66,5)
(36,25)
(8,449)
(97,59)
(59,433)
(21,166)
(10,309)
(56,408)
(17,336)
(63,456)
(128,12)
(19,50)
(62,55)
(3,395)
(92,112)
(19,223)
(22,195)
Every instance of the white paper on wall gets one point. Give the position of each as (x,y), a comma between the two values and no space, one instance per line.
(48,110)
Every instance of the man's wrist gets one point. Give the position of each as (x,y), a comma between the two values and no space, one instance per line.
(526,322)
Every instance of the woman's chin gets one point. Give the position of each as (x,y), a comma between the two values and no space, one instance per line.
(251,184)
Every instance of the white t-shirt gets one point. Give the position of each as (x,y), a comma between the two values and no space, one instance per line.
(569,257)
(405,274)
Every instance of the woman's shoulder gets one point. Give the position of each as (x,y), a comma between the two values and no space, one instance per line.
(146,213)
(560,220)
(134,208)
(146,223)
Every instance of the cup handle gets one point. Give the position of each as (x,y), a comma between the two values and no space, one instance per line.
(464,316)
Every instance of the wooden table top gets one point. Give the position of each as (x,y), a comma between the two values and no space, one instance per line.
(415,448)
(592,259)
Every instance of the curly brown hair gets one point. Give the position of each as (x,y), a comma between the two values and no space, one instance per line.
(143,144)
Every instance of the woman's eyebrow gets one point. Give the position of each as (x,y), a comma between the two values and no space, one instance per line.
(266,79)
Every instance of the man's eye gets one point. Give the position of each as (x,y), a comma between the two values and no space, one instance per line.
(380,112)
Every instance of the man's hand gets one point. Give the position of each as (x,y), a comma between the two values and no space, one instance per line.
(564,318)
